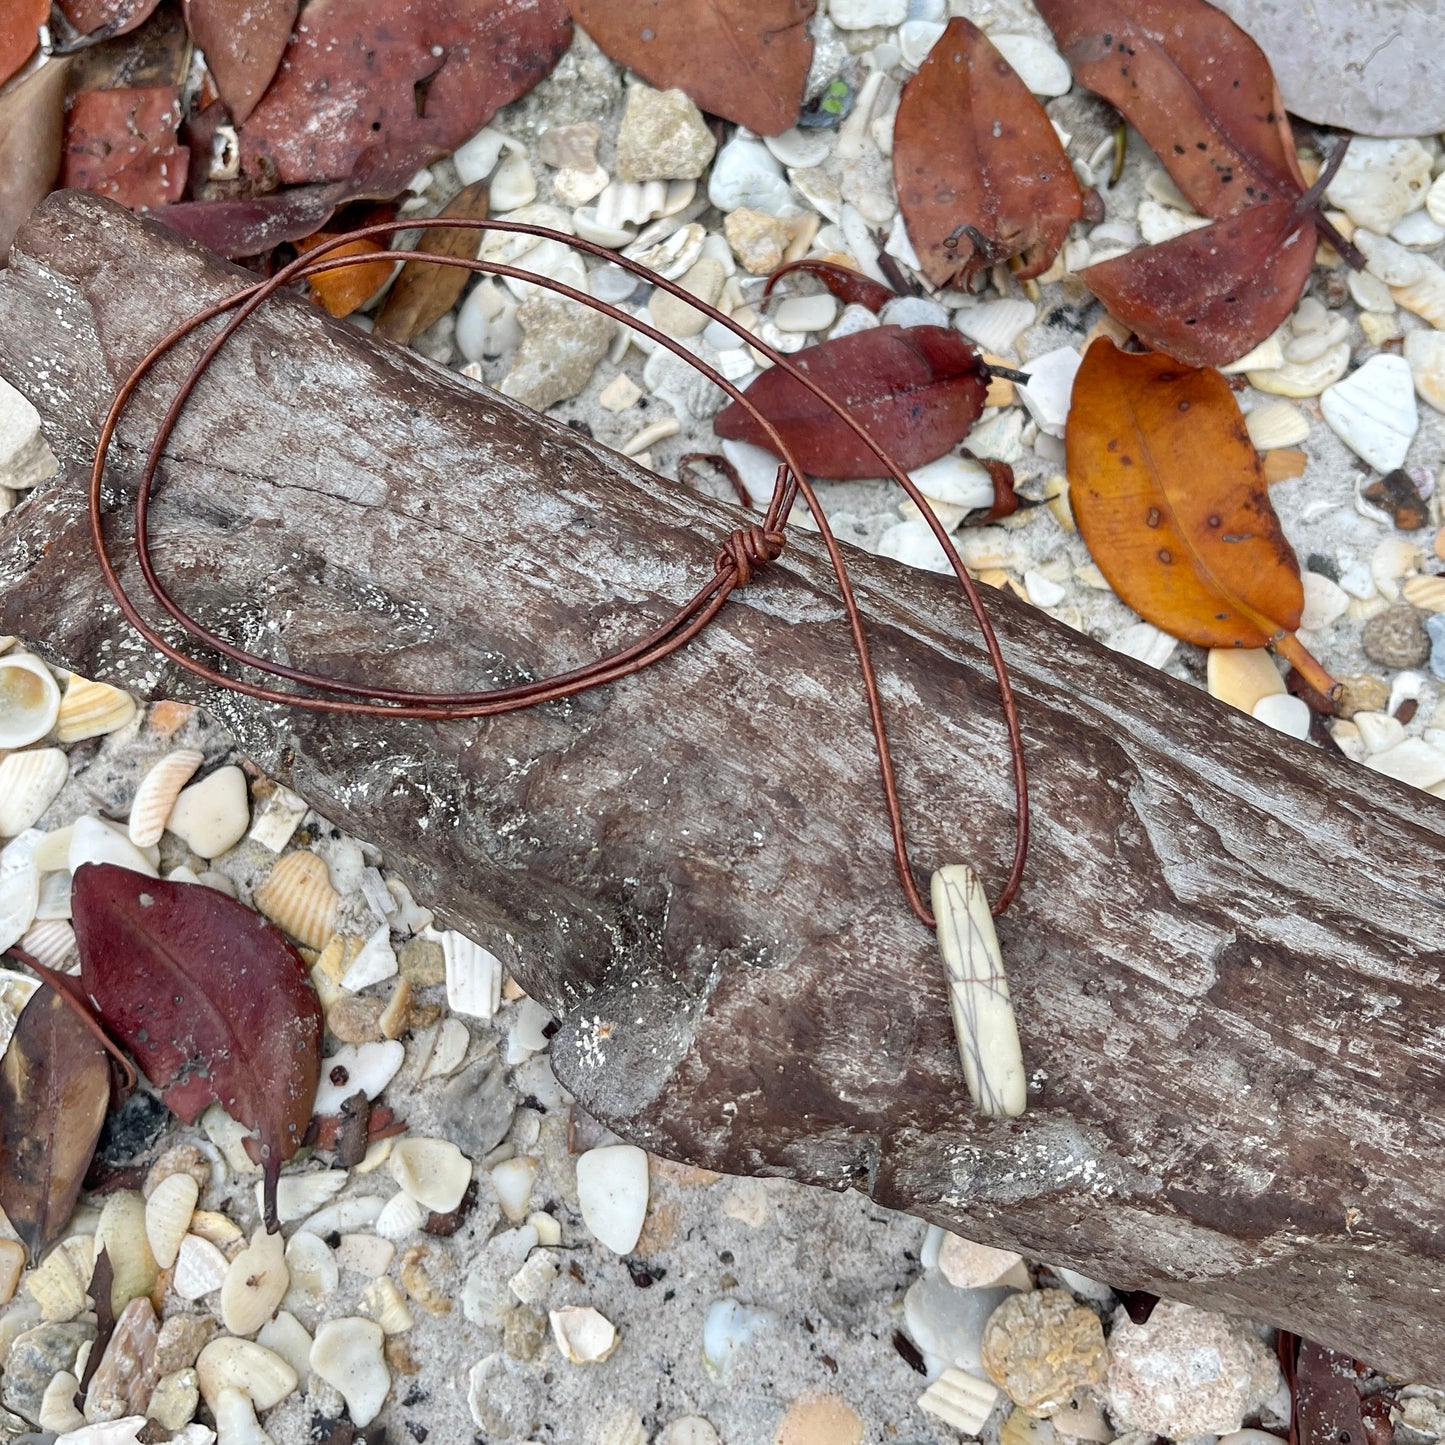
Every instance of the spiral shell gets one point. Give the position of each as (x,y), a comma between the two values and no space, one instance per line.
(29,783)
(157,794)
(92,709)
(299,899)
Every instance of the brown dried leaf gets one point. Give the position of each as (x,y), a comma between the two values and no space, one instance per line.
(424,292)
(1327,1398)
(745,60)
(20,22)
(107,17)
(385,86)
(980,173)
(54,1092)
(243,43)
(251,227)
(122,144)
(32,130)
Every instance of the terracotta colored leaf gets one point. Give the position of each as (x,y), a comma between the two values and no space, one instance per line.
(1327,1398)
(122,144)
(745,60)
(251,227)
(54,1092)
(1170,499)
(211,1000)
(243,43)
(20,22)
(849,286)
(980,173)
(341,292)
(916,389)
(107,17)
(32,128)
(1195,86)
(389,85)
(1211,295)
(424,292)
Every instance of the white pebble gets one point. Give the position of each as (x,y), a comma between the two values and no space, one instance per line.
(368,1067)
(1287,714)
(912,311)
(582,1334)
(476,158)
(728,1328)
(1043,591)
(916,38)
(25,460)
(433,1171)
(913,544)
(1420,229)
(612,1191)
(746,174)
(806,313)
(375,961)
(348,1354)
(1411,760)
(1381,181)
(212,816)
(1373,411)
(1037,63)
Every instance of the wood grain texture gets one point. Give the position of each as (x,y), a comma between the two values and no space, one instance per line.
(1226,959)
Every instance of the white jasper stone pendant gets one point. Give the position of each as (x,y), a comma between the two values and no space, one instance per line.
(983,1017)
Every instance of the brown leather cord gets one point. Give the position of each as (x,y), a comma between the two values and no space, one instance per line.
(742,554)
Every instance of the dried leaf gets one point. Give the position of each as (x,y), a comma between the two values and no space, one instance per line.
(980,173)
(917,390)
(849,286)
(1210,296)
(385,86)
(251,227)
(1170,499)
(20,22)
(32,128)
(341,292)
(157,53)
(745,60)
(1327,1398)
(424,292)
(212,1001)
(107,17)
(1195,86)
(122,144)
(102,1281)
(243,43)
(54,1092)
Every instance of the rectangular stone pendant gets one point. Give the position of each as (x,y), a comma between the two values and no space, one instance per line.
(983,1017)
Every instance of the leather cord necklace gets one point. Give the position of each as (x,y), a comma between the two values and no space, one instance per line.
(983,1017)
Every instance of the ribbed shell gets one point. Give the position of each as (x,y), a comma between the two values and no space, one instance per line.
(92,709)
(157,795)
(52,942)
(299,899)
(474,976)
(29,783)
(168,1216)
(257,1279)
(229,1363)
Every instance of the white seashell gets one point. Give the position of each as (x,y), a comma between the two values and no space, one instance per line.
(168,1216)
(1036,62)
(1378,731)
(236,1422)
(52,850)
(1310,345)
(960,1399)
(513,1180)
(1043,591)
(1325,602)
(1388,260)
(1426,592)
(57,1405)
(476,158)
(675,255)
(92,709)
(612,1190)
(92,841)
(313,1274)
(1290,715)
(912,311)
(515,183)
(375,961)
(1373,411)
(29,700)
(582,1334)
(689,1430)
(348,1355)
(1425,356)
(157,794)
(983,1017)
(800,148)
(200,1268)
(58,1283)
(342,1217)
(1380,181)
(121,1232)
(298,1195)
(1050,388)
(51,941)
(745,173)
(728,1327)
(400,1216)
(916,38)
(1308,378)
(1419,229)
(19,886)
(367,1254)
(29,784)
(12,1264)
(1411,760)
(1265,357)
(474,976)
(1276,424)
(913,544)
(255,1283)
(433,1171)
(286,1336)
(626,204)
(369,1067)
(387,1306)
(54,894)
(956,481)
(299,899)
(229,1363)
(211,816)
(1425,296)
(1370,293)
(531,1283)
(996,325)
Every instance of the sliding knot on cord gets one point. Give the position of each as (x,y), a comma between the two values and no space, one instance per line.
(748,549)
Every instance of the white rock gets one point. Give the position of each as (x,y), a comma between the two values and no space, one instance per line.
(474,976)
(612,1190)
(996,325)
(476,158)
(1084,1287)
(513,1180)
(288,1337)
(1412,760)
(1325,602)
(375,961)
(1308,378)
(1276,424)
(955,480)
(29,782)
(1050,388)
(854,319)
(1037,63)
(236,1419)
(1373,411)
(1158,224)
(349,1355)
(1043,591)
(800,149)
(1370,293)
(999,438)
(433,1171)
(806,313)
(916,38)
(582,1334)
(912,311)
(211,816)
(1144,642)
(866,14)
(1284,713)
(947,1322)
(1378,731)
(1425,355)
(913,544)
(515,183)
(1387,260)
(25,460)
(745,173)
(728,1328)
(756,466)
(370,1067)
(1380,181)
(1418,229)
(576,187)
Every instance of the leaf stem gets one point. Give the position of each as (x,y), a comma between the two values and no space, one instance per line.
(1289,647)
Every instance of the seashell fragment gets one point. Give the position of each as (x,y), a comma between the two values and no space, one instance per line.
(1304,378)
(531,1283)
(960,1399)
(612,1190)
(585,1336)
(513,1180)
(236,1422)
(157,794)
(449,1049)
(367,1254)
(200,1268)
(1241,676)
(474,976)
(19,886)
(348,1355)
(173,1401)
(255,1283)
(1425,353)
(92,841)
(51,941)
(122,1234)
(375,961)
(12,1263)
(433,1171)
(168,1214)
(229,1363)
(29,784)
(58,1283)
(127,1373)
(54,887)
(298,898)
(983,1017)
(967,1265)
(1373,411)
(298,1195)
(57,1405)
(29,700)
(211,816)
(368,1067)
(92,709)
(996,325)
(1276,424)
(387,1306)
(400,1216)
(1050,387)
(313,1271)
(1425,295)
(278,818)
(289,1338)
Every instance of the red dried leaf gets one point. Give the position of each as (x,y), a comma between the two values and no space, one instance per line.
(122,144)
(1327,1398)
(213,1002)
(20,22)
(917,390)
(54,1092)
(745,60)
(32,129)
(1212,295)
(980,173)
(849,286)
(252,227)
(243,43)
(385,86)
(107,17)
(1195,86)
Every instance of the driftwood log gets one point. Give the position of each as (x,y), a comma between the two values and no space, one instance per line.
(1226,957)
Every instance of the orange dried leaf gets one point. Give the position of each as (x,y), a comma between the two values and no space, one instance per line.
(1195,86)
(745,60)
(980,173)
(1171,500)
(341,292)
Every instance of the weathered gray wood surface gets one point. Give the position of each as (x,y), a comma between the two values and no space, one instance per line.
(1227,958)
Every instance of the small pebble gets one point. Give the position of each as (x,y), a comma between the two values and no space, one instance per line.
(820,1419)
(806,313)
(729,1328)
(1042,1347)
(612,1188)
(348,1355)
(1373,411)
(1435,631)
(1286,714)
(585,1336)
(1425,356)
(663,137)
(1395,638)
(1050,387)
